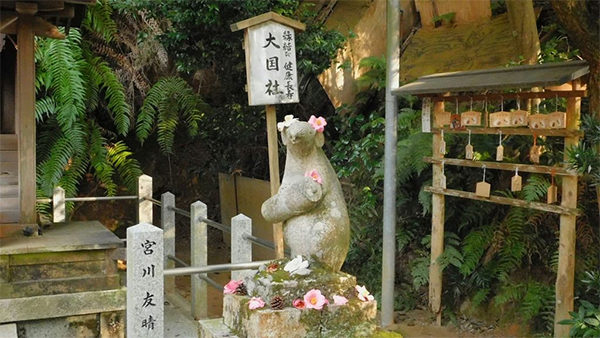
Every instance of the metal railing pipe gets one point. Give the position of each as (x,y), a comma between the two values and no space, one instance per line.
(192,270)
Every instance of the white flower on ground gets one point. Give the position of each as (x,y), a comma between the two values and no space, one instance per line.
(297,266)
(364,294)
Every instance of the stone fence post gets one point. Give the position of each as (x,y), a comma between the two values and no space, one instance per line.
(145,281)
(241,248)
(199,257)
(144,205)
(59,213)
(167,218)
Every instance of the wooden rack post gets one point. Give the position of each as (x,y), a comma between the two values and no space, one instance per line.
(437,222)
(566,246)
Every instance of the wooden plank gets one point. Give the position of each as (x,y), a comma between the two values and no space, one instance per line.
(25,104)
(52,306)
(8,169)
(274,173)
(437,225)
(548,94)
(270,16)
(8,18)
(557,209)
(529,168)
(8,155)
(8,142)
(11,190)
(511,131)
(9,203)
(565,275)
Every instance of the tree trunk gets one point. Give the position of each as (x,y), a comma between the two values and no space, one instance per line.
(580,19)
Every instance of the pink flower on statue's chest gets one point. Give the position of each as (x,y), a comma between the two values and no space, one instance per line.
(230,287)
(299,304)
(256,303)
(313,299)
(314,174)
(364,294)
(339,300)
(318,123)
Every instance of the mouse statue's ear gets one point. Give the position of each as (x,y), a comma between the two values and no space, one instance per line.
(284,137)
(319,140)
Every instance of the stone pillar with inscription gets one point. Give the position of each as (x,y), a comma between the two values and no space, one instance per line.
(145,281)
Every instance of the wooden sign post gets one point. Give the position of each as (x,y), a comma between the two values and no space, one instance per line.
(269,43)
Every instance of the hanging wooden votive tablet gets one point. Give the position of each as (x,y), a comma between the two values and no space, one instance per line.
(557,119)
(552,191)
(443,177)
(500,148)
(442,144)
(501,118)
(537,121)
(483,188)
(518,118)
(469,148)
(535,151)
(455,118)
(516,183)
(470,117)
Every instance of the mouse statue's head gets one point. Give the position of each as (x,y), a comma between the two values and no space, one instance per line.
(302,137)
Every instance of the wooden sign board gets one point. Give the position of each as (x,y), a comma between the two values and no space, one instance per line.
(518,118)
(537,121)
(556,120)
(482,189)
(470,118)
(271,64)
(442,119)
(500,119)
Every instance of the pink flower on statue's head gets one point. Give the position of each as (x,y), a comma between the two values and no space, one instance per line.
(339,300)
(256,303)
(318,123)
(299,304)
(314,174)
(313,299)
(231,286)
(364,294)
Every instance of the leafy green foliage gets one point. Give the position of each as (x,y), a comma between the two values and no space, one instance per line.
(73,138)
(585,322)
(168,101)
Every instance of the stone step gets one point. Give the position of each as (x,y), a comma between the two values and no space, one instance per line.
(8,330)
(8,156)
(11,216)
(9,169)
(9,190)
(8,142)
(214,328)
(9,203)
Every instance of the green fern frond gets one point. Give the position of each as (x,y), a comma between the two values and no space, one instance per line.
(474,246)
(168,101)
(105,78)
(98,19)
(536,188)
(44,107)
(127,167)
(103,171)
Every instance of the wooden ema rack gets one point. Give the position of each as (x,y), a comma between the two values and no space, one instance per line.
(567,209)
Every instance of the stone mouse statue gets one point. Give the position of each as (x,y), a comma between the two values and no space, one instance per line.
(310,202)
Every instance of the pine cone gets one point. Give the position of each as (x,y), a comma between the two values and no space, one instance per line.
(277,303)
(241,290)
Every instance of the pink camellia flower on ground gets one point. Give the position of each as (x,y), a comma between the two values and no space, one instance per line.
(256,303)
(313,299)
(339,300)
(364,294)
(314,174)
(299,304)
(231,286)
(318,123)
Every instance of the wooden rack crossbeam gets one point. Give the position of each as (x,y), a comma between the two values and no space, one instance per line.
(529,168)
(557,209)
(512,131)
(508,96)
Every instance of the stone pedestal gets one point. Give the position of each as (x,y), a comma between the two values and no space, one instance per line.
(354,319)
